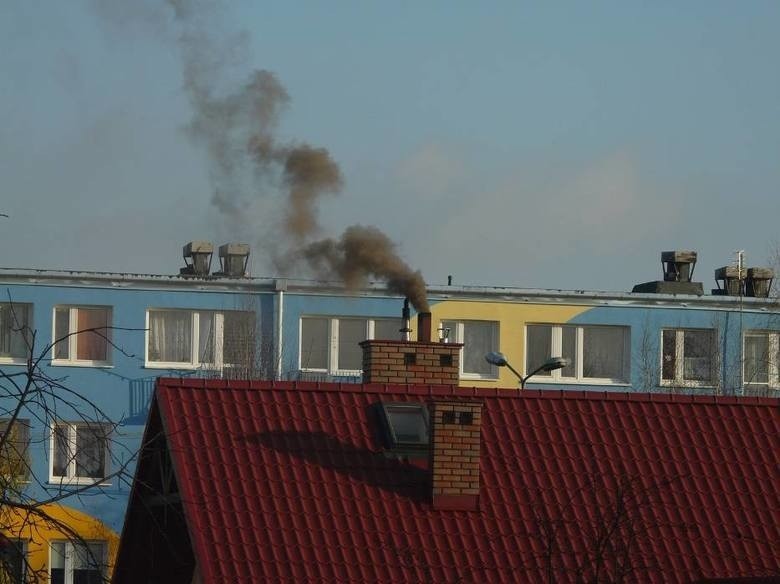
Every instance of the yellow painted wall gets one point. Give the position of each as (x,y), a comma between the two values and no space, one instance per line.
(512,319)
(38,531)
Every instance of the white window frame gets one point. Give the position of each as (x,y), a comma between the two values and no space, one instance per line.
(332,342)
(70,554)
(679,359)
(457,336)
(28,308)
(194,362)
(71,478)
(73,337)
(773,366)
(556,348)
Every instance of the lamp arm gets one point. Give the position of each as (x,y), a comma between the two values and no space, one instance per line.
(513,370)
(531,374)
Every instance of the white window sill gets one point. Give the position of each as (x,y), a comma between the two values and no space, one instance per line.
(474,377)
(687,384)
(93,364)
(13,361)
(574,381)
(188,366)
(76,482)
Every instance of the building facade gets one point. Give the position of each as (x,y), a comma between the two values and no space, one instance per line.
(99,340)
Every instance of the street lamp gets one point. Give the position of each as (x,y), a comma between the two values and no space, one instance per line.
(553,363)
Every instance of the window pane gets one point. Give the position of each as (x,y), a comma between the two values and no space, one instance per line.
(13,455)
(388,329)
(478,340)
(408,424)
(92,345)
(206,337)
(240,338)
(539,347)
(314,343)
(62,454)
(57,562)
(698,352)
(669,358)
(757,359)
(12,561)
(13,334)
(90,452)
(351,332)
(61,330)
(568,350)
(170,336)
(603,352)
(87,563)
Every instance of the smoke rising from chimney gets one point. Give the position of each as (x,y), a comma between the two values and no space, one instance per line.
(237,129)
(362,252)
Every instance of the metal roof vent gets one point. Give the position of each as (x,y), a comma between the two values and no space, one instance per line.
(678,266)
(759,282)
(678,269)
(197,257)
(233,260)
(730,281)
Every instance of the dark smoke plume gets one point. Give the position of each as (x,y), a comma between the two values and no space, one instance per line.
(362,252)
(238,128)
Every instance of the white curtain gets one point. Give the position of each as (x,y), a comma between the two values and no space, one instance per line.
(170,336)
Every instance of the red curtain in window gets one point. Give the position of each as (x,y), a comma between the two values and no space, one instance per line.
(92,345)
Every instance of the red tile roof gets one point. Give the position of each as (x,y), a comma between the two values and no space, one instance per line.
(288,482)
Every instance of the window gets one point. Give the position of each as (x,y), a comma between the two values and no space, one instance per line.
(333,344)
(191,339)
(597,354)
(79,452)
(13,560)
(479,337)
(82,335)
(15,321)
(77,562)
(14,460)
(688,357)
(406,425)
(761,365)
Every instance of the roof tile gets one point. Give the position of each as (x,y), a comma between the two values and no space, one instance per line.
(292,481)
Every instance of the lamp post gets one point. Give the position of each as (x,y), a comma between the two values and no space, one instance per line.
(553,363)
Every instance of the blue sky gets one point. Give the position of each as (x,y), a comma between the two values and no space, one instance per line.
(548,144)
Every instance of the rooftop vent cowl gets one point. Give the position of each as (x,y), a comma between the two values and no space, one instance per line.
(233,260)
(678,269)
(197,258)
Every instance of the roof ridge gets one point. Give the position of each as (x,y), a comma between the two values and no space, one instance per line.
(435,391)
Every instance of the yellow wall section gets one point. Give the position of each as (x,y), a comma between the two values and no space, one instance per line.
(39,532)
(512,319)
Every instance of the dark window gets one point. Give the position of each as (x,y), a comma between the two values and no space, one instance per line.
(13,564)
(14,460)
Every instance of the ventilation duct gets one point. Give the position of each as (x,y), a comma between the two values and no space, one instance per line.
(197,258)
(678,269)
(759,282)
(233,260)
(730,281)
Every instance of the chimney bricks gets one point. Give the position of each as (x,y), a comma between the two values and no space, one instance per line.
(455,444)
(411,362)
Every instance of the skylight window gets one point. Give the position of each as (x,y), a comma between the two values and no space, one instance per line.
(406,424)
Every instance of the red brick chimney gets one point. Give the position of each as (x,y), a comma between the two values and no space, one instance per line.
(419,362)
(455,441)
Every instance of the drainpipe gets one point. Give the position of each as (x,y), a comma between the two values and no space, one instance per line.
(280,286)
